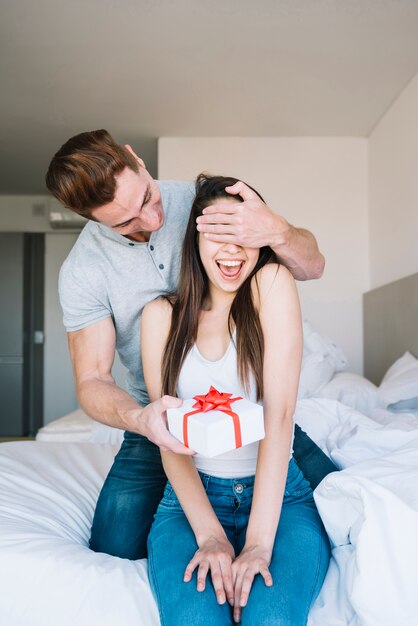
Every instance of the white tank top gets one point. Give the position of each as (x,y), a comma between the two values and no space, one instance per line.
(196,376)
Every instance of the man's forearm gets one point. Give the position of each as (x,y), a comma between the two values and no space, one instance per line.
(298,250)
(107,403)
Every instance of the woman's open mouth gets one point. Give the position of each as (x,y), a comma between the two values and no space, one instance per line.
(230,269)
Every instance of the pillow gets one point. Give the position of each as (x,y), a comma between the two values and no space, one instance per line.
(400,383)
(102,433)
(75,427)
(321,360)
(352,390)
(314,343)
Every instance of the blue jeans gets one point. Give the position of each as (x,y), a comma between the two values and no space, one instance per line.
(299,562)
(135,485)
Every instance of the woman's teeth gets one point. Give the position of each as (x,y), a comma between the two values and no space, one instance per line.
(230,263)
(230,269)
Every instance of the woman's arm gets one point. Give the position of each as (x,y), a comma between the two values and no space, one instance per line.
(215,552)
(282,328)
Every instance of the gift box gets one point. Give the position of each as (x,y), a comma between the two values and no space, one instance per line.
(217,422)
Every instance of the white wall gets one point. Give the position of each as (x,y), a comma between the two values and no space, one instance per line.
(393,190)
(317,183)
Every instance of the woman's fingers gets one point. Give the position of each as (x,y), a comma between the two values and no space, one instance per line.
(218,583)
(228,585)
(237,594)
(188,572)
(247,582)
(220,565)
(243,575)
(202,572)
(265,573)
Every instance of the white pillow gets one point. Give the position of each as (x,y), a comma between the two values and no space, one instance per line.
(400,381)
(101,433)
(352,390)
(321,360)
(75,427)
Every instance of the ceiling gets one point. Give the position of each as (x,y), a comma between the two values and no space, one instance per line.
(150,68)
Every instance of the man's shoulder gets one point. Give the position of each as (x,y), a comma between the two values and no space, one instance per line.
(84,249)
(177,193)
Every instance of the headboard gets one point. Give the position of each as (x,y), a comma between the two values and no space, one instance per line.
(390,318)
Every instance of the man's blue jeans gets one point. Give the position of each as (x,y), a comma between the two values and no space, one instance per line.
(299,562)
(135,485)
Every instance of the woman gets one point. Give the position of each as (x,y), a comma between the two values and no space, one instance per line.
(247,516)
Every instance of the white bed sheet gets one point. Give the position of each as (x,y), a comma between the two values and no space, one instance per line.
(48,576)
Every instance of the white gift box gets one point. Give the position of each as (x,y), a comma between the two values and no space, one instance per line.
(211,433)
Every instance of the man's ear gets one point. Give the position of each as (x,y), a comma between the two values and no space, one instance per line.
(136,157)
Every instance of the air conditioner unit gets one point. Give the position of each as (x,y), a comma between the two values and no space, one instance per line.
(61,218)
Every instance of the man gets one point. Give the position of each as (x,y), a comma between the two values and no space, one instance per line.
(128,254)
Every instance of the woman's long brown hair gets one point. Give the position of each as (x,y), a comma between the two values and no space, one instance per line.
(193,290)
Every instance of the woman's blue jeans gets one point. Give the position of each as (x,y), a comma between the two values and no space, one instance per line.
(135,485)
(299,562)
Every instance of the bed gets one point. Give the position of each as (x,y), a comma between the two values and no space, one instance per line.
(48,490)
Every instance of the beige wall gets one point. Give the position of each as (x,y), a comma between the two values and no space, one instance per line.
(318,183)
(393,191)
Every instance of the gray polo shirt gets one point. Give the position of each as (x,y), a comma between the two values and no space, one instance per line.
(107,275)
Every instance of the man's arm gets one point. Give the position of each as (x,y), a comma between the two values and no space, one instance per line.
(92,351)
(253,224)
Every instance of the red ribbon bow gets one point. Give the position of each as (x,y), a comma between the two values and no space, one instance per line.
(214,401)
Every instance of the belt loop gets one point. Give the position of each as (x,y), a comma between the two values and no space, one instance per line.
(206,480)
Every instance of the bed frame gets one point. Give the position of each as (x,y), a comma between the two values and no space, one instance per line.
(390,318)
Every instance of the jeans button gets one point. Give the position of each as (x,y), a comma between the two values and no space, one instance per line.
(239,488)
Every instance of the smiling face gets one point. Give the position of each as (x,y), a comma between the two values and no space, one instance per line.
(227,265)
(136,209)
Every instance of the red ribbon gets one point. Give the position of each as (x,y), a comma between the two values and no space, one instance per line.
(214,401)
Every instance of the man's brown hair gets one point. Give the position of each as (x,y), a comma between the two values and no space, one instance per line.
(82,173)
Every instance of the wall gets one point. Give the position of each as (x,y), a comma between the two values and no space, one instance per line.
(59,390)
(16,215)
(393,190)
(317,183)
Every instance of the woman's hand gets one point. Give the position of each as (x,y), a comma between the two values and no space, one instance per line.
(253,560)
(215,554)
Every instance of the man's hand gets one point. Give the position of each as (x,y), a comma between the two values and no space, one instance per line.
(253,224)
(152,423)
(250,223)
(253,560)
(215,554)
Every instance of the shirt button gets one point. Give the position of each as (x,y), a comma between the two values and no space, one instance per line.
(161,266)
(151,248)
(238,488)
(131,244)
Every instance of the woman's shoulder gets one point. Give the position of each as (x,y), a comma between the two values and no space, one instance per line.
(159,310)
(271,277)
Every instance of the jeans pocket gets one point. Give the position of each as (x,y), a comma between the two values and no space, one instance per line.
(296,484)
(169,499)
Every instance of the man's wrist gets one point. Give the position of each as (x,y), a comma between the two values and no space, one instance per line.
(132,419)
(281,233)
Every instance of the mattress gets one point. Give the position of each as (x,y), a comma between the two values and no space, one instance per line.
(48,491)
